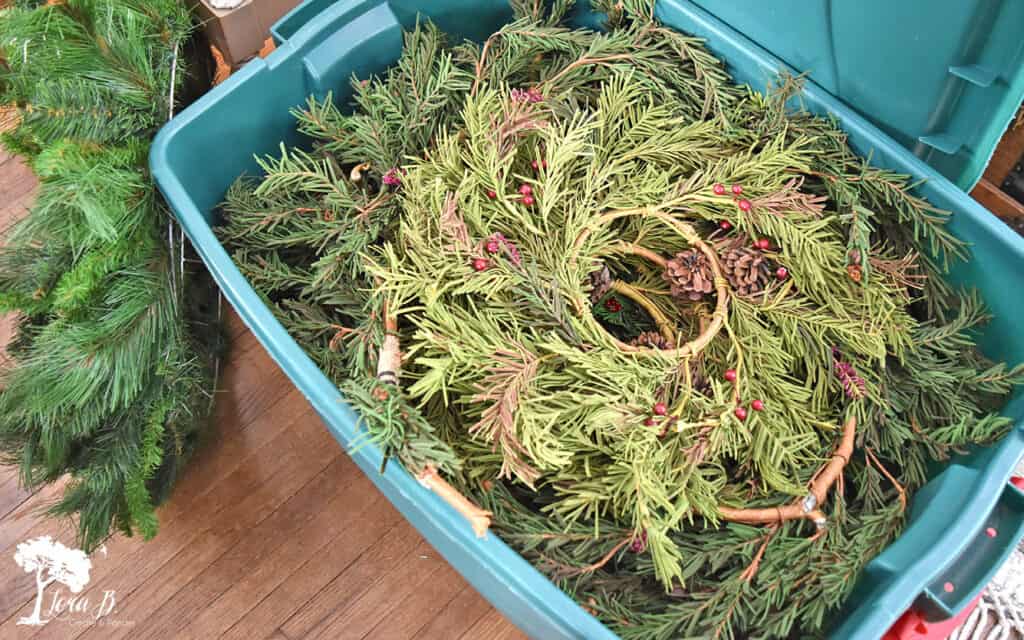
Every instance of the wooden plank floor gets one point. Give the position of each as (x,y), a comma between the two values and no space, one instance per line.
(273,533)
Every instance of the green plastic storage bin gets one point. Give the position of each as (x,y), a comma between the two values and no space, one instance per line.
(323,43)
(944,78)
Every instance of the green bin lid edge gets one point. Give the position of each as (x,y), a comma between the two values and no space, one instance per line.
(942,77)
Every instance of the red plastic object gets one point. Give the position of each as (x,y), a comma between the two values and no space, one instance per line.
(911,626)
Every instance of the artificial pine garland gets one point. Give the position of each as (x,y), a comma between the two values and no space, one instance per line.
(689,351)
(108,379)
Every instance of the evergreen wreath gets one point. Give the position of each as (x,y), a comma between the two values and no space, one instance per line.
(109,377)
(689,352)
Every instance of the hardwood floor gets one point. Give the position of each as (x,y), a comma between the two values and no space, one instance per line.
(272,534)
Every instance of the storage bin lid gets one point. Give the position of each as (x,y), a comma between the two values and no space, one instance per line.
(942,77)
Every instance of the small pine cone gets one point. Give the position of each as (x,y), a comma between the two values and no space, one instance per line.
(746,269)
(600,283)
(653,340)
(689,276)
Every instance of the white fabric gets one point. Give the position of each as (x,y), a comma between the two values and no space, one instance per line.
(1000,613)
(225,4)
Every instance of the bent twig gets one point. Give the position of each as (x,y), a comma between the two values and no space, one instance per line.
(806,507)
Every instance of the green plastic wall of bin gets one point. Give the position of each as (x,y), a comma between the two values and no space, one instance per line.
(944,78)
(323,42)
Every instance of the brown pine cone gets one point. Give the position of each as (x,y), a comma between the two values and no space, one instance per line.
(600,283)
(653,340)
(689,276)
(746,269)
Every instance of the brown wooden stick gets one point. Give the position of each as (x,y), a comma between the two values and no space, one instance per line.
(895,483)
(806,507)
(585,61)
(389,364)
(755,564)
(643,252)
(478,518)
(591,568)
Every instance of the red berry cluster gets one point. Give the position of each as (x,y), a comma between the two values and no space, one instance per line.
(495,244)
(525,194)
(613,305)
(764,244)
(737,191)
(741,412)
(639,545)
(526,191)
(742,203)
(660,409)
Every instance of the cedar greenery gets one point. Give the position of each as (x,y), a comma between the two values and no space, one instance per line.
(472,193)
(108,379)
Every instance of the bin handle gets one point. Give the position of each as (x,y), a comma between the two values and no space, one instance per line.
(293,21)
(925,620)
(997,537)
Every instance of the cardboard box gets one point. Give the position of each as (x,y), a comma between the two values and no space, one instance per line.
(239,33)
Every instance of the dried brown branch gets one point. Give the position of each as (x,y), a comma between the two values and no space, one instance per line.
(904,271)
(479,70)
(591,568)
(788,200)
(373,205)
(873,459)
(454,226)
(586,61)
(478,518)
(751,570)
(518,118)
(508,378)
(804,508)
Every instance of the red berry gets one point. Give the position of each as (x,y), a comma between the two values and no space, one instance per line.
(719,189)
(740,413)
(764,244)
(493,246)
(737,189)
(730,375)
(649,422)
(528,201)
(525,189)
(534,164)
(660,409)
(492,194)
(782,273)
(725,225)
(744,205)
(481,263)
(613,305)
(757,405)
(640,544)
(544,163)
